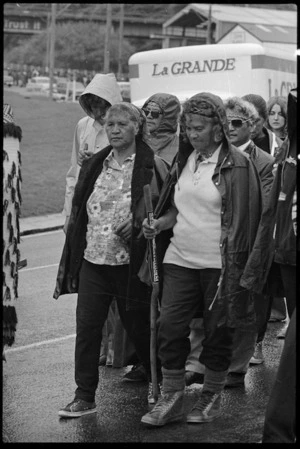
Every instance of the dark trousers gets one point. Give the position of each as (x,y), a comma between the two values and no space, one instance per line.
(280,417)
(184,290)
(98,284)
(289,279)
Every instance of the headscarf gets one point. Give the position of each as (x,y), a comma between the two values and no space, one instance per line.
(8,116)
(168,127)
(207,105)
(10,129)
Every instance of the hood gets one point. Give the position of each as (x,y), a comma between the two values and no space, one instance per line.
(168,127)
(209,105)
(104,86)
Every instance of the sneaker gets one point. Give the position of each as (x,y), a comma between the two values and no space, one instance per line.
(257,357)
(77,408)
(191,377)
(136,374)
(282,333)
(206,409)
(151,399)
(102,360)
(168,408)
(234,380)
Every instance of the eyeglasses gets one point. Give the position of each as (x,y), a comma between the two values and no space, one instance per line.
(154,114)
(237,122)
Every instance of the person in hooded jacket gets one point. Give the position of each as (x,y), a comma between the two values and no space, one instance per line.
(212,201)
(162,111)
(90,137)
(162,114)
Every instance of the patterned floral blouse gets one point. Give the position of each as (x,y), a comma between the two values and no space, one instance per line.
(107,207)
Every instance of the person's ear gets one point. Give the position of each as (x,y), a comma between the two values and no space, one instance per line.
(218,133)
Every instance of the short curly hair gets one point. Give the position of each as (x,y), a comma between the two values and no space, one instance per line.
(241,108)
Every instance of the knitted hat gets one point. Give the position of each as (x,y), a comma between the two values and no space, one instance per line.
(8,116)
(259,103)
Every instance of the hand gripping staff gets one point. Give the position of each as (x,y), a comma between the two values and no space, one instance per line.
(155,290)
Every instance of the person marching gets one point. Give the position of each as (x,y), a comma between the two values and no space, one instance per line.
(212,201)
(105,247)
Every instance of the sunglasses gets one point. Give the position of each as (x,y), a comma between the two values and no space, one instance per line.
(154,114)
(237,122)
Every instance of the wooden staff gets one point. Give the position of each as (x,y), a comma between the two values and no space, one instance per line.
(154,295)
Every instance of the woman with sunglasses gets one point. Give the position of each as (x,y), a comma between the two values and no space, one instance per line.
(277,115)
(162,112)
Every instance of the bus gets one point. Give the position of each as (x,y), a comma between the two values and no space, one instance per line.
(223,69)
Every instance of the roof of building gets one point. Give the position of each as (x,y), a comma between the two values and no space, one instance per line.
(268,33)
(231,13)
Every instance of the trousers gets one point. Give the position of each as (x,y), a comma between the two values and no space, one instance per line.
(98,285)
(184,290)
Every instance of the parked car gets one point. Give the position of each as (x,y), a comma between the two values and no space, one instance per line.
(64,86)
(7,79)
(39,84)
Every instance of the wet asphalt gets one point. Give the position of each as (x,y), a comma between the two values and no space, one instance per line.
(37,382)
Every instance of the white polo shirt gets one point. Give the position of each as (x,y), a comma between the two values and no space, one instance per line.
(196,234)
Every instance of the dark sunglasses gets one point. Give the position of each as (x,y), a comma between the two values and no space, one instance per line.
(154,114)
(237,122)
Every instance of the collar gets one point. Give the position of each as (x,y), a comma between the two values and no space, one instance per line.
(110,157)
(244,146)
(98,127)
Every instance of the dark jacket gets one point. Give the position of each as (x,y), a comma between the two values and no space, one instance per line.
(276,220)
(148,169)
(264,164)
(237,180)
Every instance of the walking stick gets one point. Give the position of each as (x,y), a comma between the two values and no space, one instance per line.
(154,294)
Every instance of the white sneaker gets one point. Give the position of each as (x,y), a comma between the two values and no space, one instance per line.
(169,408)
(257,357)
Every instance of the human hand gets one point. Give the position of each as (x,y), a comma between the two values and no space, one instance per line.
(124,229)
(84,155)
(150,232)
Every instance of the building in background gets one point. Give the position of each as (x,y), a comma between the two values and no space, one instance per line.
(273,28)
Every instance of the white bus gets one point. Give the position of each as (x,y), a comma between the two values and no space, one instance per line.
(223,69)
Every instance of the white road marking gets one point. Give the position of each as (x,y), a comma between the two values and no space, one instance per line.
(40,343)
(38,268)
(38,234)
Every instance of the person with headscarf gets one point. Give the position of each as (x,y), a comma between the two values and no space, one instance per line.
(162,111)
(105,247)
(212,201)
(12,199)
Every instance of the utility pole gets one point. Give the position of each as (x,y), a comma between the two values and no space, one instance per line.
(48,43)
(52,47)
(208,37)
(107,38)
(121,32)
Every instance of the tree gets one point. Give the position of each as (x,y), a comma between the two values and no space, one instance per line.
(79,46)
